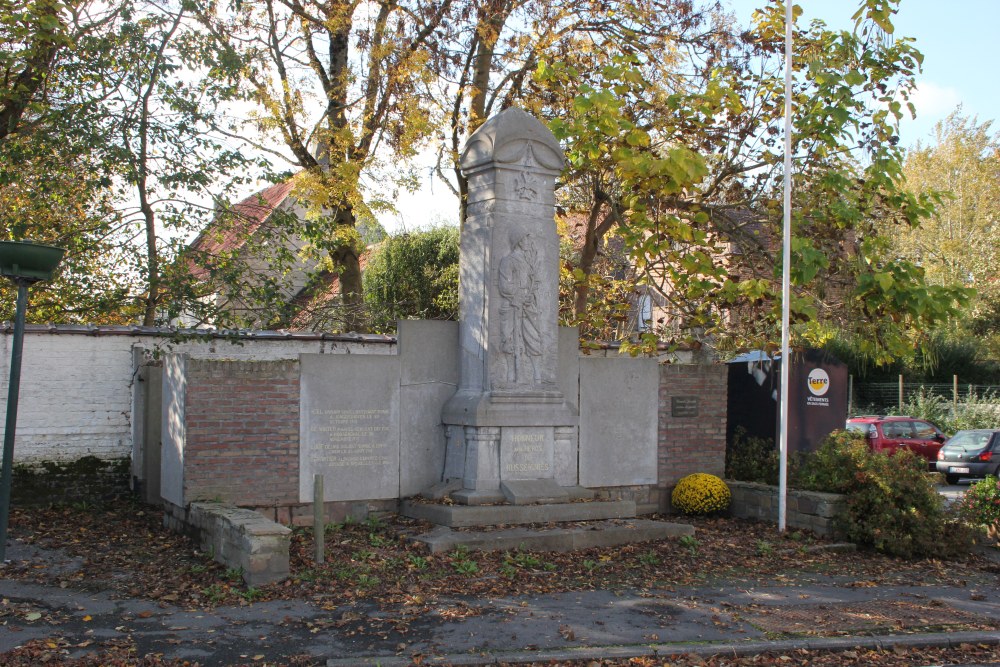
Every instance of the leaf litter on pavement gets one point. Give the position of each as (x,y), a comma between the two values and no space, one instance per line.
(123,548)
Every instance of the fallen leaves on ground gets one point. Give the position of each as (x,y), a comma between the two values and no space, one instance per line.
(122,547)
(117,653)
(857,657)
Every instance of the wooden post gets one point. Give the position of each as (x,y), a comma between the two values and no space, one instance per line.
(900,393)
(954,392)
(319,519)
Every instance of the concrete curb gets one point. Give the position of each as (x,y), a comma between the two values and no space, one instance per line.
(734,649)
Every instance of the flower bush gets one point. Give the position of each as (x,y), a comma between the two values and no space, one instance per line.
(892,504)
(701,493)
(980,507)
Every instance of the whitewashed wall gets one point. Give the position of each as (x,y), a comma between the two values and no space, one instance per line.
(78,383)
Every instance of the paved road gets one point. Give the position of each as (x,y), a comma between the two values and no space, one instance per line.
(471,631)
(953,492)
(465,631)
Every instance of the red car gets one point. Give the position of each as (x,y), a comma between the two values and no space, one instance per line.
(889,434)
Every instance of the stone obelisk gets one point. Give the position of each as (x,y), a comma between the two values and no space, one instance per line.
(508,416)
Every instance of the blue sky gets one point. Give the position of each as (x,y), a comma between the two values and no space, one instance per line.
(959,41)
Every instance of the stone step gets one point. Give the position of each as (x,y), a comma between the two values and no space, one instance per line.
(567,538)
(466,516)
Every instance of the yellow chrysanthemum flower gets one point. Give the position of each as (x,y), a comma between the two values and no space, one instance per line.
(701,493)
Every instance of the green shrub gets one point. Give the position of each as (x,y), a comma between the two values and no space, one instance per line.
(701,493)
(924,404)
(892,504)
(750,459)
(980,507)
(413,275)
(976,412)
(832,466)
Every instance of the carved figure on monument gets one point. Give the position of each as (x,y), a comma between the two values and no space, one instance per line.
(521,341)
(525,184)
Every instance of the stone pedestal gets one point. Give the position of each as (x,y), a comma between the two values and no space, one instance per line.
(509,426)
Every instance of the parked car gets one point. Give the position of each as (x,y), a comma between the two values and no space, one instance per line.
(974,454)
(891,433)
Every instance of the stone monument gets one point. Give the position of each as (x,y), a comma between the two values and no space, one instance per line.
(509,428)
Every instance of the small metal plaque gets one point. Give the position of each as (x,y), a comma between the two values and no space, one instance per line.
(684,406)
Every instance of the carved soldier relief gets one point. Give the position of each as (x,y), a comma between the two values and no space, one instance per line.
(518,286)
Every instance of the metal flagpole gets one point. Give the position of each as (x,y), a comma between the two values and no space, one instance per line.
(786,262)
(13,389)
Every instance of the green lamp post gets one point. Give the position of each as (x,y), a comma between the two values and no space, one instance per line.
(24,263)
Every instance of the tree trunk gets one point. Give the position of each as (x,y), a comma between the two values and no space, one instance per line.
(493,15)
(597,228)
(347,258)
(148,215)
(588,253)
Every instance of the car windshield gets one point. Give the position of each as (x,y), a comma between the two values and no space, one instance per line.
(970,440)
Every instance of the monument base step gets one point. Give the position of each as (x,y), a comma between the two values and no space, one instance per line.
(607,533)
(464,516)
(516,492)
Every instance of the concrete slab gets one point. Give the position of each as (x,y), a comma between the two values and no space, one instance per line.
(531,491)
(465,516)
(442,490)
(619,400)
(478,497)
(597,534)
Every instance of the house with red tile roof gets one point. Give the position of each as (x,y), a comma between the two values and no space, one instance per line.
(229,232)
(256,269)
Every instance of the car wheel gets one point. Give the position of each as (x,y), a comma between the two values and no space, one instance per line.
(951,479)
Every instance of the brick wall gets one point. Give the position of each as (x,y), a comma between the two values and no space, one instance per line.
(692,423)
(242,433)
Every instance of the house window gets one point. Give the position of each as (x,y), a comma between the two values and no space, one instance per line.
(645,308)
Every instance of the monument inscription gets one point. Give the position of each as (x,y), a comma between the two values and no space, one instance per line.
(350,438)
(526,453)
(349,426)
(684,406)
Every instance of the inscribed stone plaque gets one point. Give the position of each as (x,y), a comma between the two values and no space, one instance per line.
(684,406)
(619,401)
(349,426)
(526,452)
